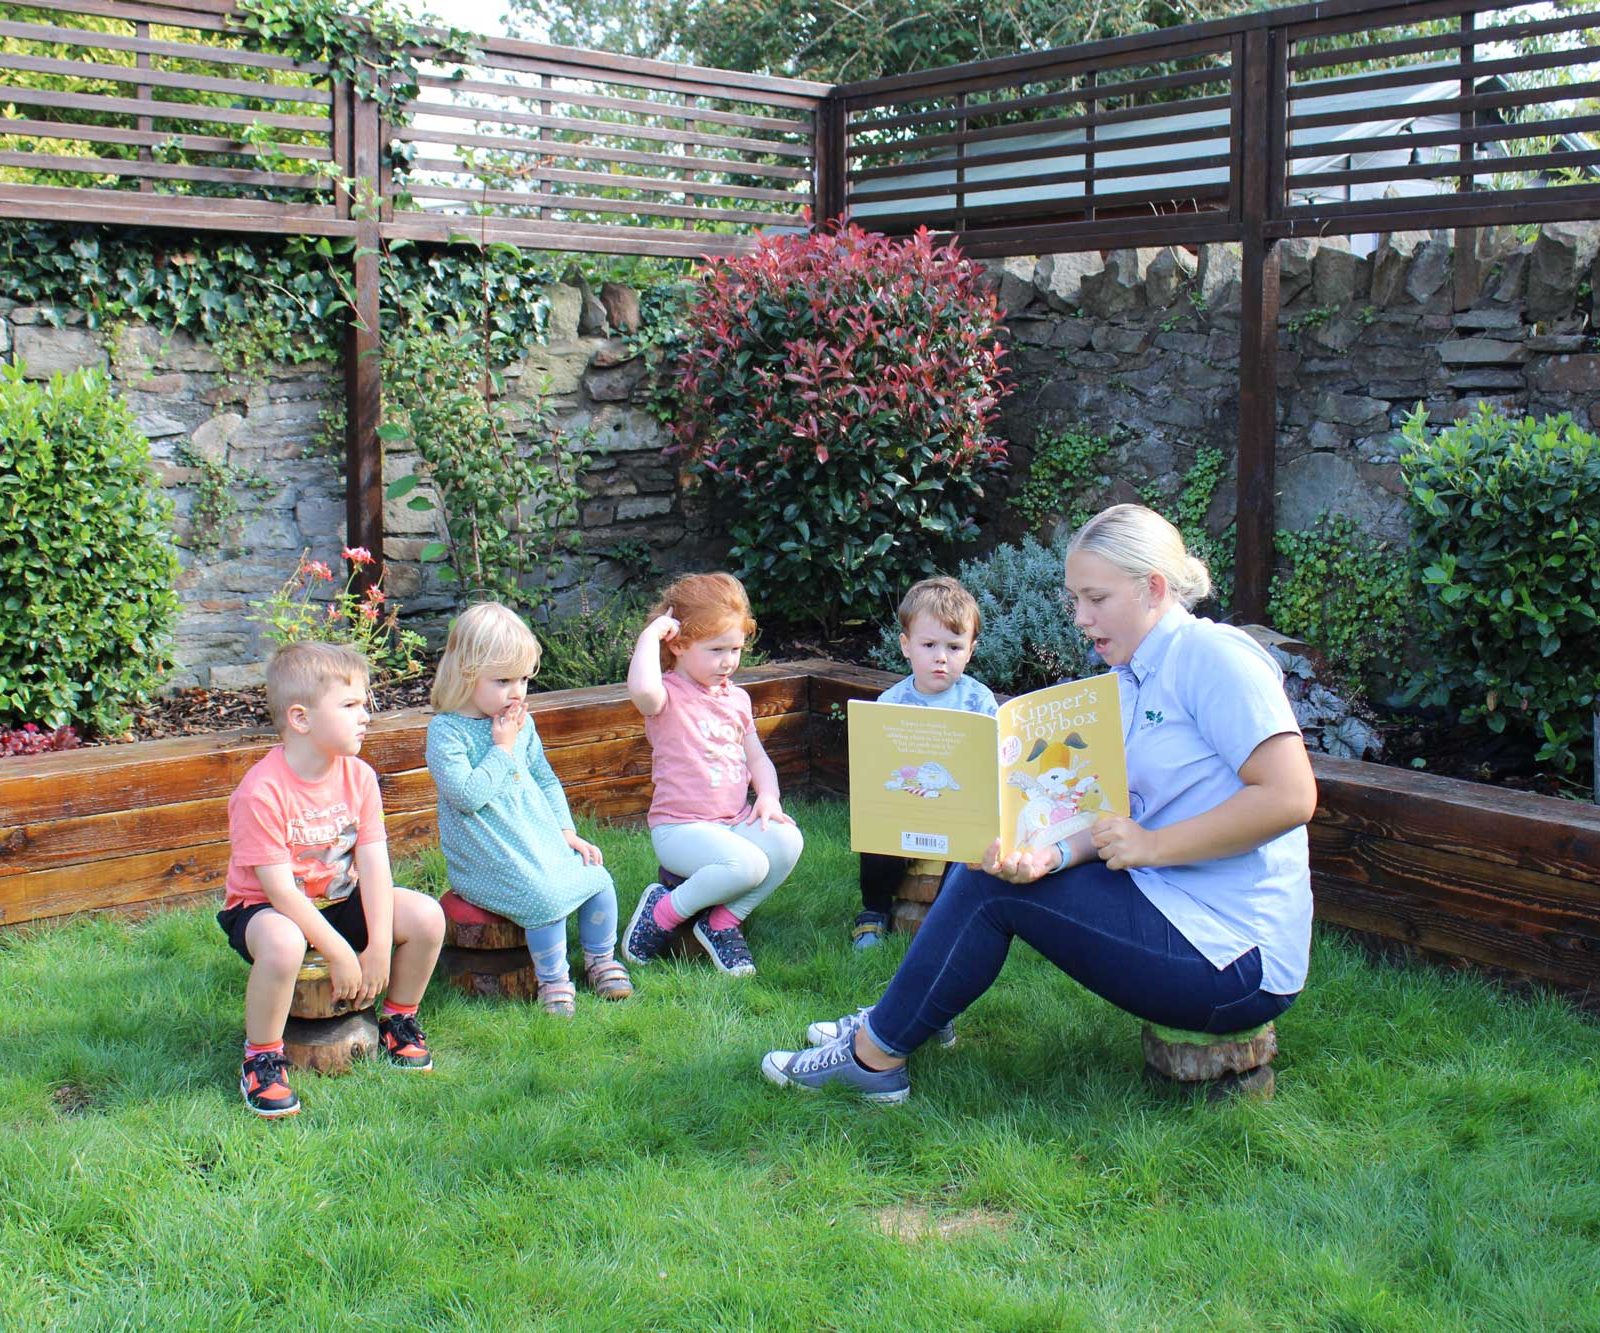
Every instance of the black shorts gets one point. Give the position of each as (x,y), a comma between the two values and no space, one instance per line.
(345,916)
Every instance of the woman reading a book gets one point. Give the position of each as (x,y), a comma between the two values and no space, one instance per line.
(1195,910)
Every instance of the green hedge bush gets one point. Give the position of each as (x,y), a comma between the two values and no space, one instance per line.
(1506,519)
(86,557)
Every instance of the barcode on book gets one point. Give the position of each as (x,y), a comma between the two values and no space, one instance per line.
(924,842)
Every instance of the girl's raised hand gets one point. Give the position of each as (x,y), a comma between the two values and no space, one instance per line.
(767,810)
(664,627)
(591,854)
(506,726)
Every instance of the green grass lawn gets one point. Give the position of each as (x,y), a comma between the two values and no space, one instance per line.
(1429,1160)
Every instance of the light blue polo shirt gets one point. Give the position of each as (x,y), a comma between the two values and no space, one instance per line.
(966,695)
(1197,698)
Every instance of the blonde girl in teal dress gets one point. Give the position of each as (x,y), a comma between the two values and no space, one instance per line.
(508,839)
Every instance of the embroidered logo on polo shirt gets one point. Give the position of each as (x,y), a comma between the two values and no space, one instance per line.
(1153,717)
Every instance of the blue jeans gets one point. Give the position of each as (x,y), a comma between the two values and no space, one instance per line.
(597,932)
(1092,923)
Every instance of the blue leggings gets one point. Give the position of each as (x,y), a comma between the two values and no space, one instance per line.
(1092,923)
(597,932)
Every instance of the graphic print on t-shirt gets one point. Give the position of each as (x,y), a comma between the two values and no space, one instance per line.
(724,742)
(322,845)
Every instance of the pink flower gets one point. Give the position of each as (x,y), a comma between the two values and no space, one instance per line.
(369,612)
(333,610)
(315,569)
(375,595)
(356,555)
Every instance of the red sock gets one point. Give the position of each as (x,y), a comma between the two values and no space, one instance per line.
(251,1049)
(665,916)
(720,918)
(390,1007)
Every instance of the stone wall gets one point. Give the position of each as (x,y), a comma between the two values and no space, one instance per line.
(1142,346)
(1137,345)
(271,431)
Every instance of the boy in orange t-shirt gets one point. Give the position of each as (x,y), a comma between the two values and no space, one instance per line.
(310,865)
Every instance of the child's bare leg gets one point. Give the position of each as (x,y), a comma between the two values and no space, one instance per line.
(277,948)
(418,937)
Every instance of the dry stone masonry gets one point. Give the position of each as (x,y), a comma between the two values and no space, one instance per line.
(1139,344)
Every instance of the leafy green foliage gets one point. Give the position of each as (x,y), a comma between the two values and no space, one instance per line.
(510,505)
(86,559)
(835,393)
(1344,593)
(214,517)
(262,301)
(1506,524)
(1187,512)
(373,44)
(851,41)
(1063,466)
(1028,639)
(295,614)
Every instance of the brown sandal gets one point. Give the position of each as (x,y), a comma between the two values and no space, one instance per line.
(608,979)
(557,997)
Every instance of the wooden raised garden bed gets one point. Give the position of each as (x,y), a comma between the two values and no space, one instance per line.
(1497,878)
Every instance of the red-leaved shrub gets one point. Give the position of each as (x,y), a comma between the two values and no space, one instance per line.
(30,738)
(837,392)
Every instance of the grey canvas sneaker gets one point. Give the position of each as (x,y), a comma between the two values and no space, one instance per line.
(819,1066)
(820,1034)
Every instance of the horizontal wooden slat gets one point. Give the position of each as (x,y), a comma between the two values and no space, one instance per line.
(1108,91)
(1421,74)
(1481,166)
(180,213)
(559,148)
(970,187)
(641,106)
(1053,125)
(168,171)
(610,238)
(1177,227)
(646,184)
(158,78)
(162,110)
(595,204)
(1477,102)
(609,129)
(199,143)
(126,10)
(1076,148)
(1446,41)
(1550,203)
(103,41)
(1538,129)
(1108,230)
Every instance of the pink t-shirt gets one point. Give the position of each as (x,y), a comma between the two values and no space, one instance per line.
(697,754)
(276,817)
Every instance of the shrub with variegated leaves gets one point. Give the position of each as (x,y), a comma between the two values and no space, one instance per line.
(837,394)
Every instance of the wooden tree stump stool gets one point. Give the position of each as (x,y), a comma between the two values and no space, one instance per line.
(1229,1064)
(331,1045)
(497,974)
(469,927)
(313,991)
(918,889)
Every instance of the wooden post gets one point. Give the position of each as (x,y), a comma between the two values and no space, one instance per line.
(828,202)
(363,367)
(1261,196)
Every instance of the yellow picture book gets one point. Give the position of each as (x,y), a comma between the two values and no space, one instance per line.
(941,785)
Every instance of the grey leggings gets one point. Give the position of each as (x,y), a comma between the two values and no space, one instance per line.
(736,865)
(597,932)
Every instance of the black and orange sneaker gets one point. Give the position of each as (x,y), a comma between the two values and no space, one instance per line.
(404,1043)
(265,1090)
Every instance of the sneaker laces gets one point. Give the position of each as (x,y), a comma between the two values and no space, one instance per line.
(817,1058)
(731,944)
(268,1067)
(403,1031)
